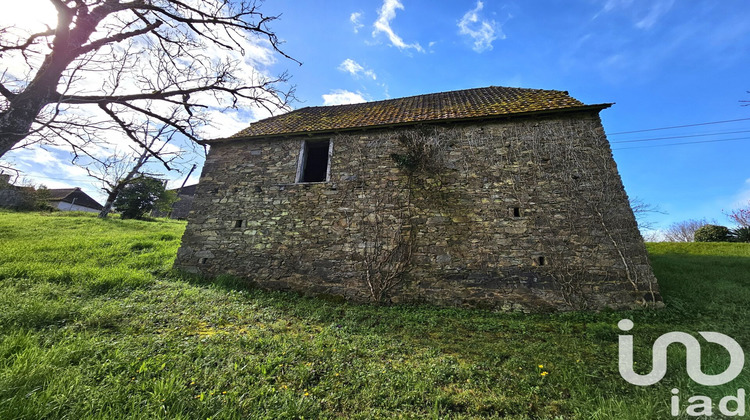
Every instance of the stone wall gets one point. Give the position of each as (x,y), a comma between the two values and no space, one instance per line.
(519,214)
(17,198)
(179,209)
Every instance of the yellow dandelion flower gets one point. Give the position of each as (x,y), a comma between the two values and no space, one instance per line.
(307,394)
(541,366)
(545,373)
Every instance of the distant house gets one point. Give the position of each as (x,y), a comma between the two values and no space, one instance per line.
(73,199)
(182,206)
(65,199)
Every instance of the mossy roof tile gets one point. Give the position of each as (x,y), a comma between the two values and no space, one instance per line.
(470,103)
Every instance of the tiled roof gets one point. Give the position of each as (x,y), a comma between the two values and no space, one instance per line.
(60,193)
(74,196)
(471,103)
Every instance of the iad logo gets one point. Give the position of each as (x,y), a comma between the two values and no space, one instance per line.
(702,405)
(693,362)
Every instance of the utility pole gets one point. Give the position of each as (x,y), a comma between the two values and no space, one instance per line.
(179,190)
(186,179)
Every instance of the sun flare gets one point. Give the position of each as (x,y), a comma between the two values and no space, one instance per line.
(29,15)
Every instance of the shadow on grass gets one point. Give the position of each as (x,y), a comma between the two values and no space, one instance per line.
(700,292)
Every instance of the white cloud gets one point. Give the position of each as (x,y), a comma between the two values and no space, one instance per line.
(355,20)
(341,97)
(482,31)
(386,14)
(355,69)
(645,14)
(613,4)
(656,11)
(52,166)
(742,198)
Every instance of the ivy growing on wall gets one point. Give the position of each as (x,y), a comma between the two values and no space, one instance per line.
(383,212)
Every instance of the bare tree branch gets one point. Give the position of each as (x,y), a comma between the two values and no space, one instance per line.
(117,38)
(5,92)
(129,132)
(147,59)
(29,41)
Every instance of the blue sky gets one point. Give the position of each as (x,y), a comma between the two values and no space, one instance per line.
(662,62)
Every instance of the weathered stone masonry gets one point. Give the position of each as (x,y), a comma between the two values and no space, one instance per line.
(524,212)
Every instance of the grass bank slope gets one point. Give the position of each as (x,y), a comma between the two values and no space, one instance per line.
(93,325)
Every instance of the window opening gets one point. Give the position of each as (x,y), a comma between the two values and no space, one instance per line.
(315,161)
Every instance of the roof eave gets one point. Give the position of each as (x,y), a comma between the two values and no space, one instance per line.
(594,107)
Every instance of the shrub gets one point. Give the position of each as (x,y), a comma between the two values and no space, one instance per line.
(24,198)
(742,234)
(142,196)
(712,233)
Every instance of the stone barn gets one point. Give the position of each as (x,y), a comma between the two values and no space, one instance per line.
(496,197)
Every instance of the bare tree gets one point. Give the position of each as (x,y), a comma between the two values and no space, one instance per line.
(120,169)
(168,60)
(683,231)
(642,211)
(740,216)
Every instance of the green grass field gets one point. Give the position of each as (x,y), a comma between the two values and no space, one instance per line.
(93,324)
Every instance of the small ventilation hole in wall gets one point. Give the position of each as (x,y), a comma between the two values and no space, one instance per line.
(541,261)
(203,261)
(238,223)
(516,212)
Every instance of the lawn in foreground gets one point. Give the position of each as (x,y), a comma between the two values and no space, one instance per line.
(93,325)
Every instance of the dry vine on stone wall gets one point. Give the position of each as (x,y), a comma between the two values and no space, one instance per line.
(590,196)
(565,189)
(380,206)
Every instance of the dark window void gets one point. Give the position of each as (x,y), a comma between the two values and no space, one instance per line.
(516,212)
(315,161)
(238,223)
(541,261)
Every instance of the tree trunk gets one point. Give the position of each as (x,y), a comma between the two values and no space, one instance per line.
(24,107)
(127,179)
(16,121)
(108,205)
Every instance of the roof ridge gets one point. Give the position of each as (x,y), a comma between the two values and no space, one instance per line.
(482,102)
(421,95)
